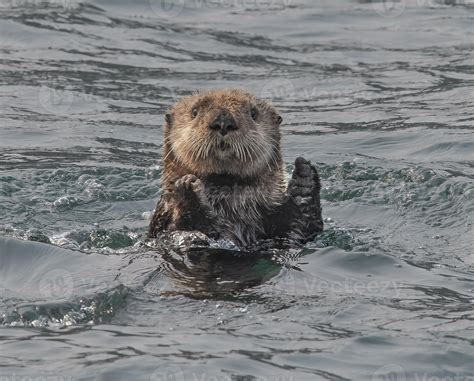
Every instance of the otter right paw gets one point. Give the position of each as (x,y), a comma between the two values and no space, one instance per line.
(189,189)
(190,208)
(188,183)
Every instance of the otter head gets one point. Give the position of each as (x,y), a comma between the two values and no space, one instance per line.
(223,132)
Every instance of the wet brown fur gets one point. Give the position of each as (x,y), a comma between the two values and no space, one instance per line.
(230,186)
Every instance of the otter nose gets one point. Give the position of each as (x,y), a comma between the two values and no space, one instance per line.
(223,123)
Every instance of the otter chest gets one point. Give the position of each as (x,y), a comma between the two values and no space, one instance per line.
(238,207)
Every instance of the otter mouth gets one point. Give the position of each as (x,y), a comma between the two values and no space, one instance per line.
(224,146)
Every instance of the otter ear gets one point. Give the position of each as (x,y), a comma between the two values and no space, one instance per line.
(279,119)
(168,118)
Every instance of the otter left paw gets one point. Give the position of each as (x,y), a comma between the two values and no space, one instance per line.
(303,189)
(304,184)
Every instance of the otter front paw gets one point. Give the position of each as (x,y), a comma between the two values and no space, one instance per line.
(189,189)
(190,208)
(304,184)
(303,189)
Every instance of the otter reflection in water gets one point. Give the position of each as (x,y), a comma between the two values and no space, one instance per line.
(195,266)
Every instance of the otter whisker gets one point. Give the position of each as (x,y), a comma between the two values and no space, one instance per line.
(235,148)
(239,151)
(244,152)
(210,143)
(252,148)
(169,153)
(198,152)
(169,143)
(257,146)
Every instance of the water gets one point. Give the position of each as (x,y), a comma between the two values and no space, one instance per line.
(378,95)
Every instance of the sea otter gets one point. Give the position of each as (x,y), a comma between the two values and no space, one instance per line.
(224,176)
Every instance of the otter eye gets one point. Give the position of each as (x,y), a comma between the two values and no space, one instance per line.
(279,119)
(253,113)
(194,112)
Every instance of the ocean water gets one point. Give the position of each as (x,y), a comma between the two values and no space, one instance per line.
(379,95)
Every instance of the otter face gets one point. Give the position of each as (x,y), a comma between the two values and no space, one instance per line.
(224,131)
